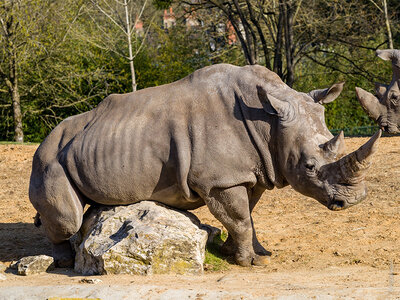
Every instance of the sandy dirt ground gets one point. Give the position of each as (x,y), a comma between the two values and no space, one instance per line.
(353,253)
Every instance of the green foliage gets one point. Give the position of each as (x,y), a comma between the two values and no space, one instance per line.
(176,53)
(214,260)
(62,72)
(364,68)
(162,4)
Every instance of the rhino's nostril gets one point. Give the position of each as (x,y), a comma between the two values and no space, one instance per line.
(336,205)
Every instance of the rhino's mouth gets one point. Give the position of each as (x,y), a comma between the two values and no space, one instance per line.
(347,196)
(391,129)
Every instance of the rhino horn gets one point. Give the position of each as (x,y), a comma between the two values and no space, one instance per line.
(335,145)
(354,165)
(372,106)
(380,90)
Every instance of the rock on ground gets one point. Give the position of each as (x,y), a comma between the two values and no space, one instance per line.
(142,238)
(34,264)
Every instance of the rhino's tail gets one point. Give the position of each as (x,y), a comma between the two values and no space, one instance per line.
(37,221)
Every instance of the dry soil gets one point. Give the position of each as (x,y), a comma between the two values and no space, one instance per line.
(353,253)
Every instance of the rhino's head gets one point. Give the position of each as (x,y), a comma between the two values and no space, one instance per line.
(385,107)
(311,159)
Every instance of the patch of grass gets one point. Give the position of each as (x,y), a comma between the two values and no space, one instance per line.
(214,260)
(17,143)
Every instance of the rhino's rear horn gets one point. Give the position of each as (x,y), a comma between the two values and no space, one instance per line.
(335,145)
(380,90)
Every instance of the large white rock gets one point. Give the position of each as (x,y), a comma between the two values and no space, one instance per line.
(142,238)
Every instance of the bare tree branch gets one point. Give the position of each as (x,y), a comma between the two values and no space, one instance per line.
(108,16)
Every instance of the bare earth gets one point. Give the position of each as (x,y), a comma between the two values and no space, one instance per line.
(354,253)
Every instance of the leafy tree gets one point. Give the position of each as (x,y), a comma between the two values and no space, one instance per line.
(116,28)
(18,41)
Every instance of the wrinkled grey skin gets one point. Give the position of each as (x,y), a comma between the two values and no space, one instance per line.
(219,137)
(385,107)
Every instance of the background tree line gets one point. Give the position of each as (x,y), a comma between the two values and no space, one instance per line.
(60,58)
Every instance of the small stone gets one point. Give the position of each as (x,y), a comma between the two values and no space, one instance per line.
(35,264)
(90,280)
(3,277)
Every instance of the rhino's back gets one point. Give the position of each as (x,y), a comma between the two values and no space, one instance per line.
(143,145)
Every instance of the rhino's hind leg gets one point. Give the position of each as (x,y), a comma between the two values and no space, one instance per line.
(63,254)
(60,206)
(231,207)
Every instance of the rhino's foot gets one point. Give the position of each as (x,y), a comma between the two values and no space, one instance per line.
(255,260)
(260,250)
(259,260)
(63,255)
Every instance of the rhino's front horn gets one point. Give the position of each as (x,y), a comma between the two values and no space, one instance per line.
(354,165)
(372,106)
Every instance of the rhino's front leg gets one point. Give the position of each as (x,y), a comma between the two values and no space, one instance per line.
(256,194)
(231,207)
(229,247)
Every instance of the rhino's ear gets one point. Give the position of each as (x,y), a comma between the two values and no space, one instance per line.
(327,95)
(390,54)
(380,90)
(273,106)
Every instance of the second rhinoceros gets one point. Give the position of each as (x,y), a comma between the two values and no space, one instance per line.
(219,137)
(385,108)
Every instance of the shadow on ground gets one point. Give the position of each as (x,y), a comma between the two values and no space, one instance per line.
(22,239)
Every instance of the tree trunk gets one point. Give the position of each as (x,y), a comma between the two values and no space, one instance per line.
(12,84)
(288,25)
(256,23)
(11,79)
(16,104)
(277,68)
(130,58)
(389,31)
(249,34)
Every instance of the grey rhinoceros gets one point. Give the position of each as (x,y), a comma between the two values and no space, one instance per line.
(219,137)
(385,108)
